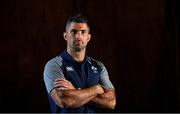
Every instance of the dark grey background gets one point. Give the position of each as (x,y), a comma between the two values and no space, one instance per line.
(137,40)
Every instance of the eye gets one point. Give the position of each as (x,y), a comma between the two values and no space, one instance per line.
(73,31)
(84,31)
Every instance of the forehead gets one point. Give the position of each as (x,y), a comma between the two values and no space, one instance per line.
(78,26)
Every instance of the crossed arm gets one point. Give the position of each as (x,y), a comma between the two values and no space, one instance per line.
(67,96)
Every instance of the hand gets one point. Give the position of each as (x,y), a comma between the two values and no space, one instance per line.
(63,84)
(100,90)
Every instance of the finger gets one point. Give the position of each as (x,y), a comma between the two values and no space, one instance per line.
(58,85)
(61,79)
(61,88)
(61,84)
(64,82)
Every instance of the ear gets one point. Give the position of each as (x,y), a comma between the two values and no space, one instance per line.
(89,37)
(65,35)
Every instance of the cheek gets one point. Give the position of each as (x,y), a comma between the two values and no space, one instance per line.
(69,41)
(85,40)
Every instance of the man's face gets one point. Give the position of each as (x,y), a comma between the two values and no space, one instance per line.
(77,36)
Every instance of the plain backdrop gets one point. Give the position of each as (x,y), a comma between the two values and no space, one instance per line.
(137,40)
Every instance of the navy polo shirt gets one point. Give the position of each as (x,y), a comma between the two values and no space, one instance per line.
(82,75)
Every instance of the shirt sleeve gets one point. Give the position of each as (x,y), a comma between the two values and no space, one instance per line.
(104,78)
(52,71)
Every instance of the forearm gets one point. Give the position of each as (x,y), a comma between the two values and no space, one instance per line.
(105,100)
(76,98)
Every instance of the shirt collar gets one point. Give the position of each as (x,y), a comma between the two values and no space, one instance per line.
(68,57)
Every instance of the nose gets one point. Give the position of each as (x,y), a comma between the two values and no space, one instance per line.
(78,34)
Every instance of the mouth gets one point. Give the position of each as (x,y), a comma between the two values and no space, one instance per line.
(77,42)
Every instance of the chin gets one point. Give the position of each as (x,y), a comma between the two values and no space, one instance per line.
(78,49)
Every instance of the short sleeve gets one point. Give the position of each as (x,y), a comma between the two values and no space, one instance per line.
(52,71)
(104,78)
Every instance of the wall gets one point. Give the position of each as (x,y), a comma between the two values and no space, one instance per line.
(136,40)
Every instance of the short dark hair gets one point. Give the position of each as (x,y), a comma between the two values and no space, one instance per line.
(77,18)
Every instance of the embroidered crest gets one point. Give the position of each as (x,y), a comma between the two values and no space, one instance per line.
(94,69)
(69,69)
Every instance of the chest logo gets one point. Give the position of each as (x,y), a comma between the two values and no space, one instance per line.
(69,69)
(94,69)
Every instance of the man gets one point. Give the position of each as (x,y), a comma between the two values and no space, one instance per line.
(74,81)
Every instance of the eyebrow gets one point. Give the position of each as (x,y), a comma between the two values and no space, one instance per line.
(76,30)
(80,30)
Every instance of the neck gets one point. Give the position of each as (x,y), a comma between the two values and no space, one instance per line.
(78,56)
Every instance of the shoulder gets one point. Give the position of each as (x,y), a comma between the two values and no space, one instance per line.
(54,67)
(96,62)
(56,61)
(54,64)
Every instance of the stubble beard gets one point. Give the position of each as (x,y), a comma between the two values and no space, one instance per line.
(76,47)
